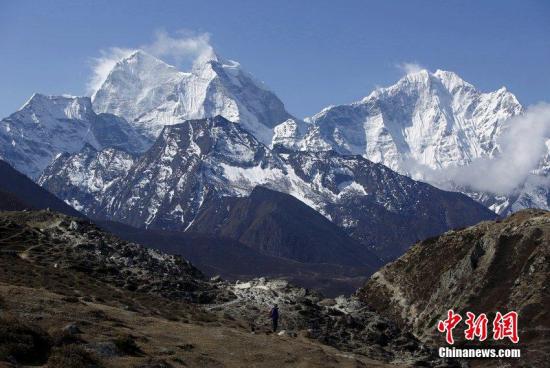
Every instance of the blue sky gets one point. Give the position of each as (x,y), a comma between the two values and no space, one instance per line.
(311,53)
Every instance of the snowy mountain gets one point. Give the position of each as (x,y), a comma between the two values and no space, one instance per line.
(150,94)
(200,160)
(431,119)
(535,191)
(84,177)
(424,124)
(49,125)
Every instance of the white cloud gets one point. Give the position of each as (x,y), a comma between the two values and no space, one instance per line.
(522,147)
(185,46)
(102,65)
(409,68)
(181,49)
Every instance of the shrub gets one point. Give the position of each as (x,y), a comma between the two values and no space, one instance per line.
(127,345)
(154,363)
(63,337)
(72,356)
(23,343)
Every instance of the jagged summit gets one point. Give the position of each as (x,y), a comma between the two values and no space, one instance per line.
(150,94)
(71,107)
(46,126)
(424,123)
(436,120)
(136,83)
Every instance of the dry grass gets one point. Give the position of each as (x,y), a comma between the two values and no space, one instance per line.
(165,343)
(72,356)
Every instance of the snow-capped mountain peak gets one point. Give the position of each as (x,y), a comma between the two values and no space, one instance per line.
(424,122)
(136,84)
(150,94)
(68,107)
(46,126)
(201,161)
(435,120)
(451,80)
(43,127)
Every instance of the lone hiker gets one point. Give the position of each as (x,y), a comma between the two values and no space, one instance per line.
(274,315)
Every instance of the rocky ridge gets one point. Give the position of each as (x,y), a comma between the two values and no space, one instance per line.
(493,266)
(195,162)
(46,126)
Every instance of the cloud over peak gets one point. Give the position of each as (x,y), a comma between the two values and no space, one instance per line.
(521,148)
(409,67)
(183,48)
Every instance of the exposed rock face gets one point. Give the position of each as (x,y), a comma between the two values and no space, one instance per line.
(82,179)
(214,158)
(493,266)
(385,211)
(75,245)
(49,125)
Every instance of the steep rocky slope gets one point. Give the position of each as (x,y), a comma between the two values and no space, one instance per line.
(278,224)
(82,179)
(19,192)
(493,266)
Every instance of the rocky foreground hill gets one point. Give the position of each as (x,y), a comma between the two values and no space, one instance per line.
(72,295)
(493,266)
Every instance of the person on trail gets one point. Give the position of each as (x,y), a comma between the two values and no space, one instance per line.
(274,315)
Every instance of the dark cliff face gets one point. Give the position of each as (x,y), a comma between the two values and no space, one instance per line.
(493,266)
(19,192)
(278,224)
